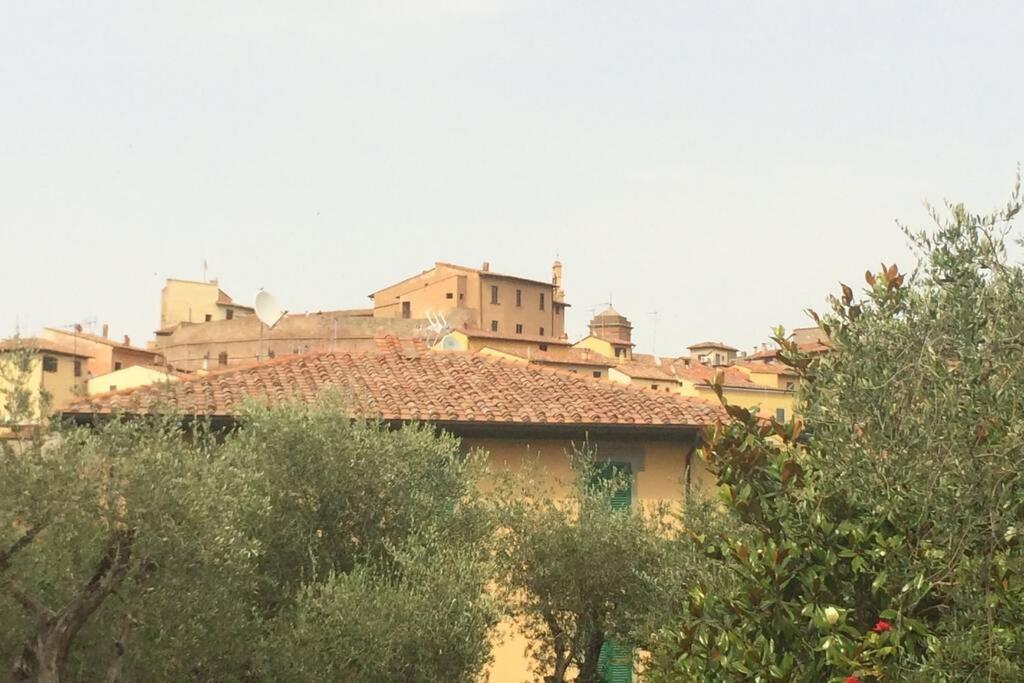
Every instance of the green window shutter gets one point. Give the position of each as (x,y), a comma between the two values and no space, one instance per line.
(623,498)
(615,663)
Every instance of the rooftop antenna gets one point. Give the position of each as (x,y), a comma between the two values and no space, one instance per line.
(269,313)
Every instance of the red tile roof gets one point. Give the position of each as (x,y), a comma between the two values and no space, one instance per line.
(476,333)
(40,345)
(712,345)
(397,384)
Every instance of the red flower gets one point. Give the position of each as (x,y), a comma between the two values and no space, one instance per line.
(881,626)
(851,679)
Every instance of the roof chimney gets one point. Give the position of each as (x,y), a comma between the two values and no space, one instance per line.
(106,329)
(486,267)
(78,328)
(127,340)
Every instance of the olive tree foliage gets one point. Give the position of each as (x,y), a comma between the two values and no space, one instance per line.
(880,532)
(577,571)
(301,545)
(106,531)
(375,552)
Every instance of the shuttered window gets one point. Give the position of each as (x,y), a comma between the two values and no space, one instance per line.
(615,663)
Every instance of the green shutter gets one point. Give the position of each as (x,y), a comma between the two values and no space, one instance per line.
(615,663)
(623,498)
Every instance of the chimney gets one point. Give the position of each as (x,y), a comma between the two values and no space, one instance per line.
(127,340)
(78,328)
(486,267)
(106,329)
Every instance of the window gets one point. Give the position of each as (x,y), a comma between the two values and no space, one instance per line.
(209,317)
(222,358)
(542,331)
(654,386)
(113,387)
(117,365)
(597,373)
(449,295)
(494,326)
(542,301)
(229,314)
(78,368)
(619,353)
(406,310)
(780,414)
(519,297)
(49,364)
(790,386)
(494,294)
(519,329)
(543,347)
(558,309)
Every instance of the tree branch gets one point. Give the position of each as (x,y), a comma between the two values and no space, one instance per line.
(7,555)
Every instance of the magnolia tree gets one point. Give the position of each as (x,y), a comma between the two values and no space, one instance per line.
(878,536)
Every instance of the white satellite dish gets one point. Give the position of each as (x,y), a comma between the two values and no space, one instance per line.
(267,309)
(450,343)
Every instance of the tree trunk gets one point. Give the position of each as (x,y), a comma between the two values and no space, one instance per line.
(591,655)
(44,655)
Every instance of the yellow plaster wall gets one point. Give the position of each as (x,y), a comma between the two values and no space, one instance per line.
(186,301)
(128,378)
(661,479)
(62,386)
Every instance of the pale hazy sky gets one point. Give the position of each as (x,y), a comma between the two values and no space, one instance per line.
(721,163)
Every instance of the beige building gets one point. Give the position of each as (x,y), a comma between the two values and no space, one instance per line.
(713,353)
(49,376)
(190,301)
(105,355)
(129,378)
(506,305)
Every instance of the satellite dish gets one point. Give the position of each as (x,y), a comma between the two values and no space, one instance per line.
(450,343)
(267,309)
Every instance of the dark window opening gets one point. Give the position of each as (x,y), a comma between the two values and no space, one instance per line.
(494,294)
(406,310)
(542,331)
(222,358)
(78,368)
(597,373)
(780,414)
(619,353)
(209,317)
(542,301)
(113,387)
(519,297)
(654,386)
(543,347)
(790,386)
(229,314)
(49,364)
(494,326)
(519,329)
(449,295)
(117,365)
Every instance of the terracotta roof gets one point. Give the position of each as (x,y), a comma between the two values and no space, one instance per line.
(101,340)
(532,338)
(450,387)
(38,344)
(765,368)
(712,345)
(808,347)
(572,356)
(645,371)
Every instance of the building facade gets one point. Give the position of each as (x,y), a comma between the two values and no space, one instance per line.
(40,373)
(191,301)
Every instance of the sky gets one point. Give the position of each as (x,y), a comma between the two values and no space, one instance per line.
(711,168)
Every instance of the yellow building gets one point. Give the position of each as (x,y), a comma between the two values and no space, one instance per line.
(507,305)
(130,378)
(519,412)
(105,355)
(189,301)
(46,375)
